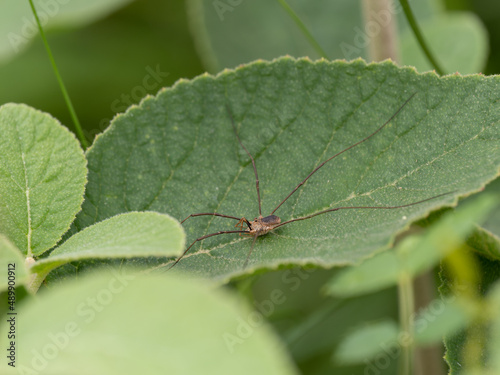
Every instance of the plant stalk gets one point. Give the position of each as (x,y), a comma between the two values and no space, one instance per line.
(420,38)
(67,99)
(303,28)
(406,308)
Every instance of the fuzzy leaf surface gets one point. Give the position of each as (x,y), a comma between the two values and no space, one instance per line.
(42,178)
(134,234)
(177,153)
(120,323)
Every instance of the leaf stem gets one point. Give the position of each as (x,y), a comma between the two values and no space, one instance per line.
(420,38)
(303,28)
(406,308)
(36,279)
(67,99)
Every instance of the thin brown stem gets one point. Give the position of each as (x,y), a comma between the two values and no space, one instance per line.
(341,152)
(251,158)
(361,207)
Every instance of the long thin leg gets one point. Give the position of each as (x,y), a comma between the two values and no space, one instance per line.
(250,252)
(202,238)
(341,152)
(361,207)
(210,214)
(251,158)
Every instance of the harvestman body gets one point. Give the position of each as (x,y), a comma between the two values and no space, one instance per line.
(262,225)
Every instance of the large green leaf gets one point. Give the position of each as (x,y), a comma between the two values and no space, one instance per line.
(120,323)
(18,26)
(42,178)
(177,153)
(135,234)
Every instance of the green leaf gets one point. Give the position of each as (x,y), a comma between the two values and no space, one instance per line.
(379,272)
(135,234)
(177,153)
(413,255)
(42,178)
(364,343)
(441,32)
(486,239)
(11,260)
(120,323)
(485,243)
(18,26)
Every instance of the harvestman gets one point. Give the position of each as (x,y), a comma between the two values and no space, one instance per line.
(262,225)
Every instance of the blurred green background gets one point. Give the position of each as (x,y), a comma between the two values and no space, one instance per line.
(107,63)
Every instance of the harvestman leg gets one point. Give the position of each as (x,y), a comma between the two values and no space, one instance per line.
(250,252)
(341,152)
(362,207)
(240,220)
(243,220)
(251,158)
(202,238)
(211,214)
(256,180)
